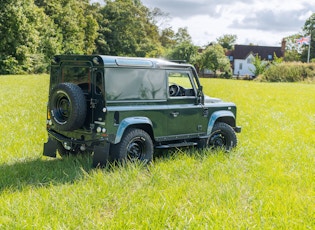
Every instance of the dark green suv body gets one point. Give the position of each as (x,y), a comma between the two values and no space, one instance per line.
(121,108)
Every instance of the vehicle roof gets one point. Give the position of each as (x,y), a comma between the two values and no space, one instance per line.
(116,61)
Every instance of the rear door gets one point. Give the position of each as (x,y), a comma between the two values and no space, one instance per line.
(80,73)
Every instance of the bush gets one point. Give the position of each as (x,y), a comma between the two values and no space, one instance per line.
(289,72)
(226,75)
(10,65)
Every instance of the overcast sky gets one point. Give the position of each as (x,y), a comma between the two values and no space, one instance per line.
(261,22)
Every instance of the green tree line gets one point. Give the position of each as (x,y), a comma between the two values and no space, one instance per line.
(33,31)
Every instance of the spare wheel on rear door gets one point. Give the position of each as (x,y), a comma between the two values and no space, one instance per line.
(67,106)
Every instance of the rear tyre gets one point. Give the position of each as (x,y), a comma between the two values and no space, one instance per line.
(222,136)
(67,106)
(136,144)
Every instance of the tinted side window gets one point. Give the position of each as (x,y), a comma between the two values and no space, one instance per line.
(99,84)
(54,76)
(135,84)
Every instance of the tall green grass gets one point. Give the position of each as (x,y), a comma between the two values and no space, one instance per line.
(267,182)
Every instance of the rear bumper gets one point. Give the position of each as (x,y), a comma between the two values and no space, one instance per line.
(99,147)
(72,144)
(61,138)
(237,129)
(100,152)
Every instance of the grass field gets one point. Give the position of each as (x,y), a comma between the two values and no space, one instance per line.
(267,182)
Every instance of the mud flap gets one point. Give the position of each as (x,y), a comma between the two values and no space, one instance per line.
(100,157)
(50,148)
(202,143)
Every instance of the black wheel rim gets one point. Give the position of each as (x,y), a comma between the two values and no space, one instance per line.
(217,140)
(62,109)
(136,148)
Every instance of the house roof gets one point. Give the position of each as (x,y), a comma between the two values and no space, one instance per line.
(242,51)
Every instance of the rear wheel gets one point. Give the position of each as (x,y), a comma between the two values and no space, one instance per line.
(136,144)
(222,136)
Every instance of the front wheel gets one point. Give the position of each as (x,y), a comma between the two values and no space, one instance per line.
(222,136)
(136,144)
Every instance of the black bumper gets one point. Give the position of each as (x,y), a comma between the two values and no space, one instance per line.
(99,147)
(61,138)
(237,129)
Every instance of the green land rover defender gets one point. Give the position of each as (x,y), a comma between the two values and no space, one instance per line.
(122,108)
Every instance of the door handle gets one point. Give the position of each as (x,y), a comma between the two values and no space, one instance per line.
(175,114)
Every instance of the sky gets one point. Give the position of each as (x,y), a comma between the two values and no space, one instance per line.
(259,22)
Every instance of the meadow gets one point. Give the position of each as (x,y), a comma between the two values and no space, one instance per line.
(267,182)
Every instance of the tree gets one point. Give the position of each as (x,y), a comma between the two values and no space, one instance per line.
(277,60)
(179,45)
(227,41)
(182,35)
(260,66)
(23,29)
(167,38)
(152,46)
(309,29)
(75,22)
(127,30)
(213,58)
(158,17)
(292,50)
(184,51)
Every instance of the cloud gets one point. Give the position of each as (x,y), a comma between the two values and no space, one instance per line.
(271,15)
(190,8)
(269,20)
(262,22)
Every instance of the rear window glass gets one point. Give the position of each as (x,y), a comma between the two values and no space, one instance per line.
(77,75)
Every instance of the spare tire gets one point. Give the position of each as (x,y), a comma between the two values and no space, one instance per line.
(67,106)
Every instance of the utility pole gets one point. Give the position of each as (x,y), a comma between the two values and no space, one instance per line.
(309,44)
(309,49)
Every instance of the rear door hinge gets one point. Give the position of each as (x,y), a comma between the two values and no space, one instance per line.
(93,103)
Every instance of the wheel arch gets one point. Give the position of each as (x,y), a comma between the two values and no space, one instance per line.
(221,116)
(143,123)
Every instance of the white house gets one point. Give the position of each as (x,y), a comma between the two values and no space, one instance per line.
(242,56)
(244,66)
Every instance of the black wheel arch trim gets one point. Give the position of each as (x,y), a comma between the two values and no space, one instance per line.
(222,116)
(132,121)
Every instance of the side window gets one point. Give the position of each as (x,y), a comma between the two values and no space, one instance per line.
(180,84)
(135,84)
